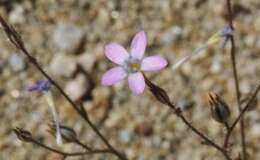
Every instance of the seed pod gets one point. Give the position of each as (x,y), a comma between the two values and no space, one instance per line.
(23,135)
(219,108)
(67,133)
(159,93)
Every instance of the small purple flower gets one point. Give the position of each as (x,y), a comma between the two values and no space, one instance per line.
(226,33)
(131,65)
(40,86)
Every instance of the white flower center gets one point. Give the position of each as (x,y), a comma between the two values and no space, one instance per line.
(132,65)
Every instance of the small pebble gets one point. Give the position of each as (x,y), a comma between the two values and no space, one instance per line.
(68,37)
(216,66)
(144,129)
(17,62)
(86,61)
(172,35)
(249,40)
(103,17)
(17,15)
(63,65)
(125,136)
(77,87)
(245,87)
(185,104)
(255,131)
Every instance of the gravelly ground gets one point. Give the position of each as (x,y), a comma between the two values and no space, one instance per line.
(67,37)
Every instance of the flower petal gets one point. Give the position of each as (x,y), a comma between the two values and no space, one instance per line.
(138,45)
(113,76)
(116,53)
(136,83)
(40,86)
(153,63)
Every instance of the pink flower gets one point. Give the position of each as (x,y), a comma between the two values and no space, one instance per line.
(131,65)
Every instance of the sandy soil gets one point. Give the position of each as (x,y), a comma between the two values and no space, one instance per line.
(67,37)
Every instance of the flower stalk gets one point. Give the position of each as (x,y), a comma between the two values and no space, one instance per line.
(162,96)
(17,41)
(49,99)
(222,34)
(26,136)
(236,80)
(44,86)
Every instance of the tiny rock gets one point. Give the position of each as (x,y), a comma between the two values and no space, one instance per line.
(17,15)
(86,61)
(63,65)
(255,131)
(68,37)
(172,35)
(216,66)
(17,62)
(144,129)
(125,136)
(77,87)
(100,93)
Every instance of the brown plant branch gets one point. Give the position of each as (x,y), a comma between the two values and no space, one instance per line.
(235,75)
(26,136)
(16,39)
(247,106)
(161,95)
(67,154)
(78,142)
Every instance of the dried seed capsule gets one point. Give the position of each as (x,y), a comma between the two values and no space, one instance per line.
(23,135)
(67,133)
(219,108)
(158,92)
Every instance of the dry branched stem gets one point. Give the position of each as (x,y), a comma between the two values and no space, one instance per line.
(26,136)
(247,106)
(16,39)
(161,95)
(234,68)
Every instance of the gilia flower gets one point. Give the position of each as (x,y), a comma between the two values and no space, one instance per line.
(40,86)
(131,65)
(226,33)
(44,87)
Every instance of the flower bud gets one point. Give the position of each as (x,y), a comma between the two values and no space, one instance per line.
(219,108)
(67,133)
(159,93)
(39,86)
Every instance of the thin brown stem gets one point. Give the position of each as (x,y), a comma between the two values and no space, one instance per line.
(26,136)
(16,39)
(117,153)
(227,126)
(67,154)
(162,97)
(78,142)
(200,134)
(240,116)
(234,68)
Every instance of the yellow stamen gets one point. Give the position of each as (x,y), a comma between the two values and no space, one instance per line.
(134,66)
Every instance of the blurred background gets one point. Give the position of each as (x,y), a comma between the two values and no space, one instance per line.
(67,37)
